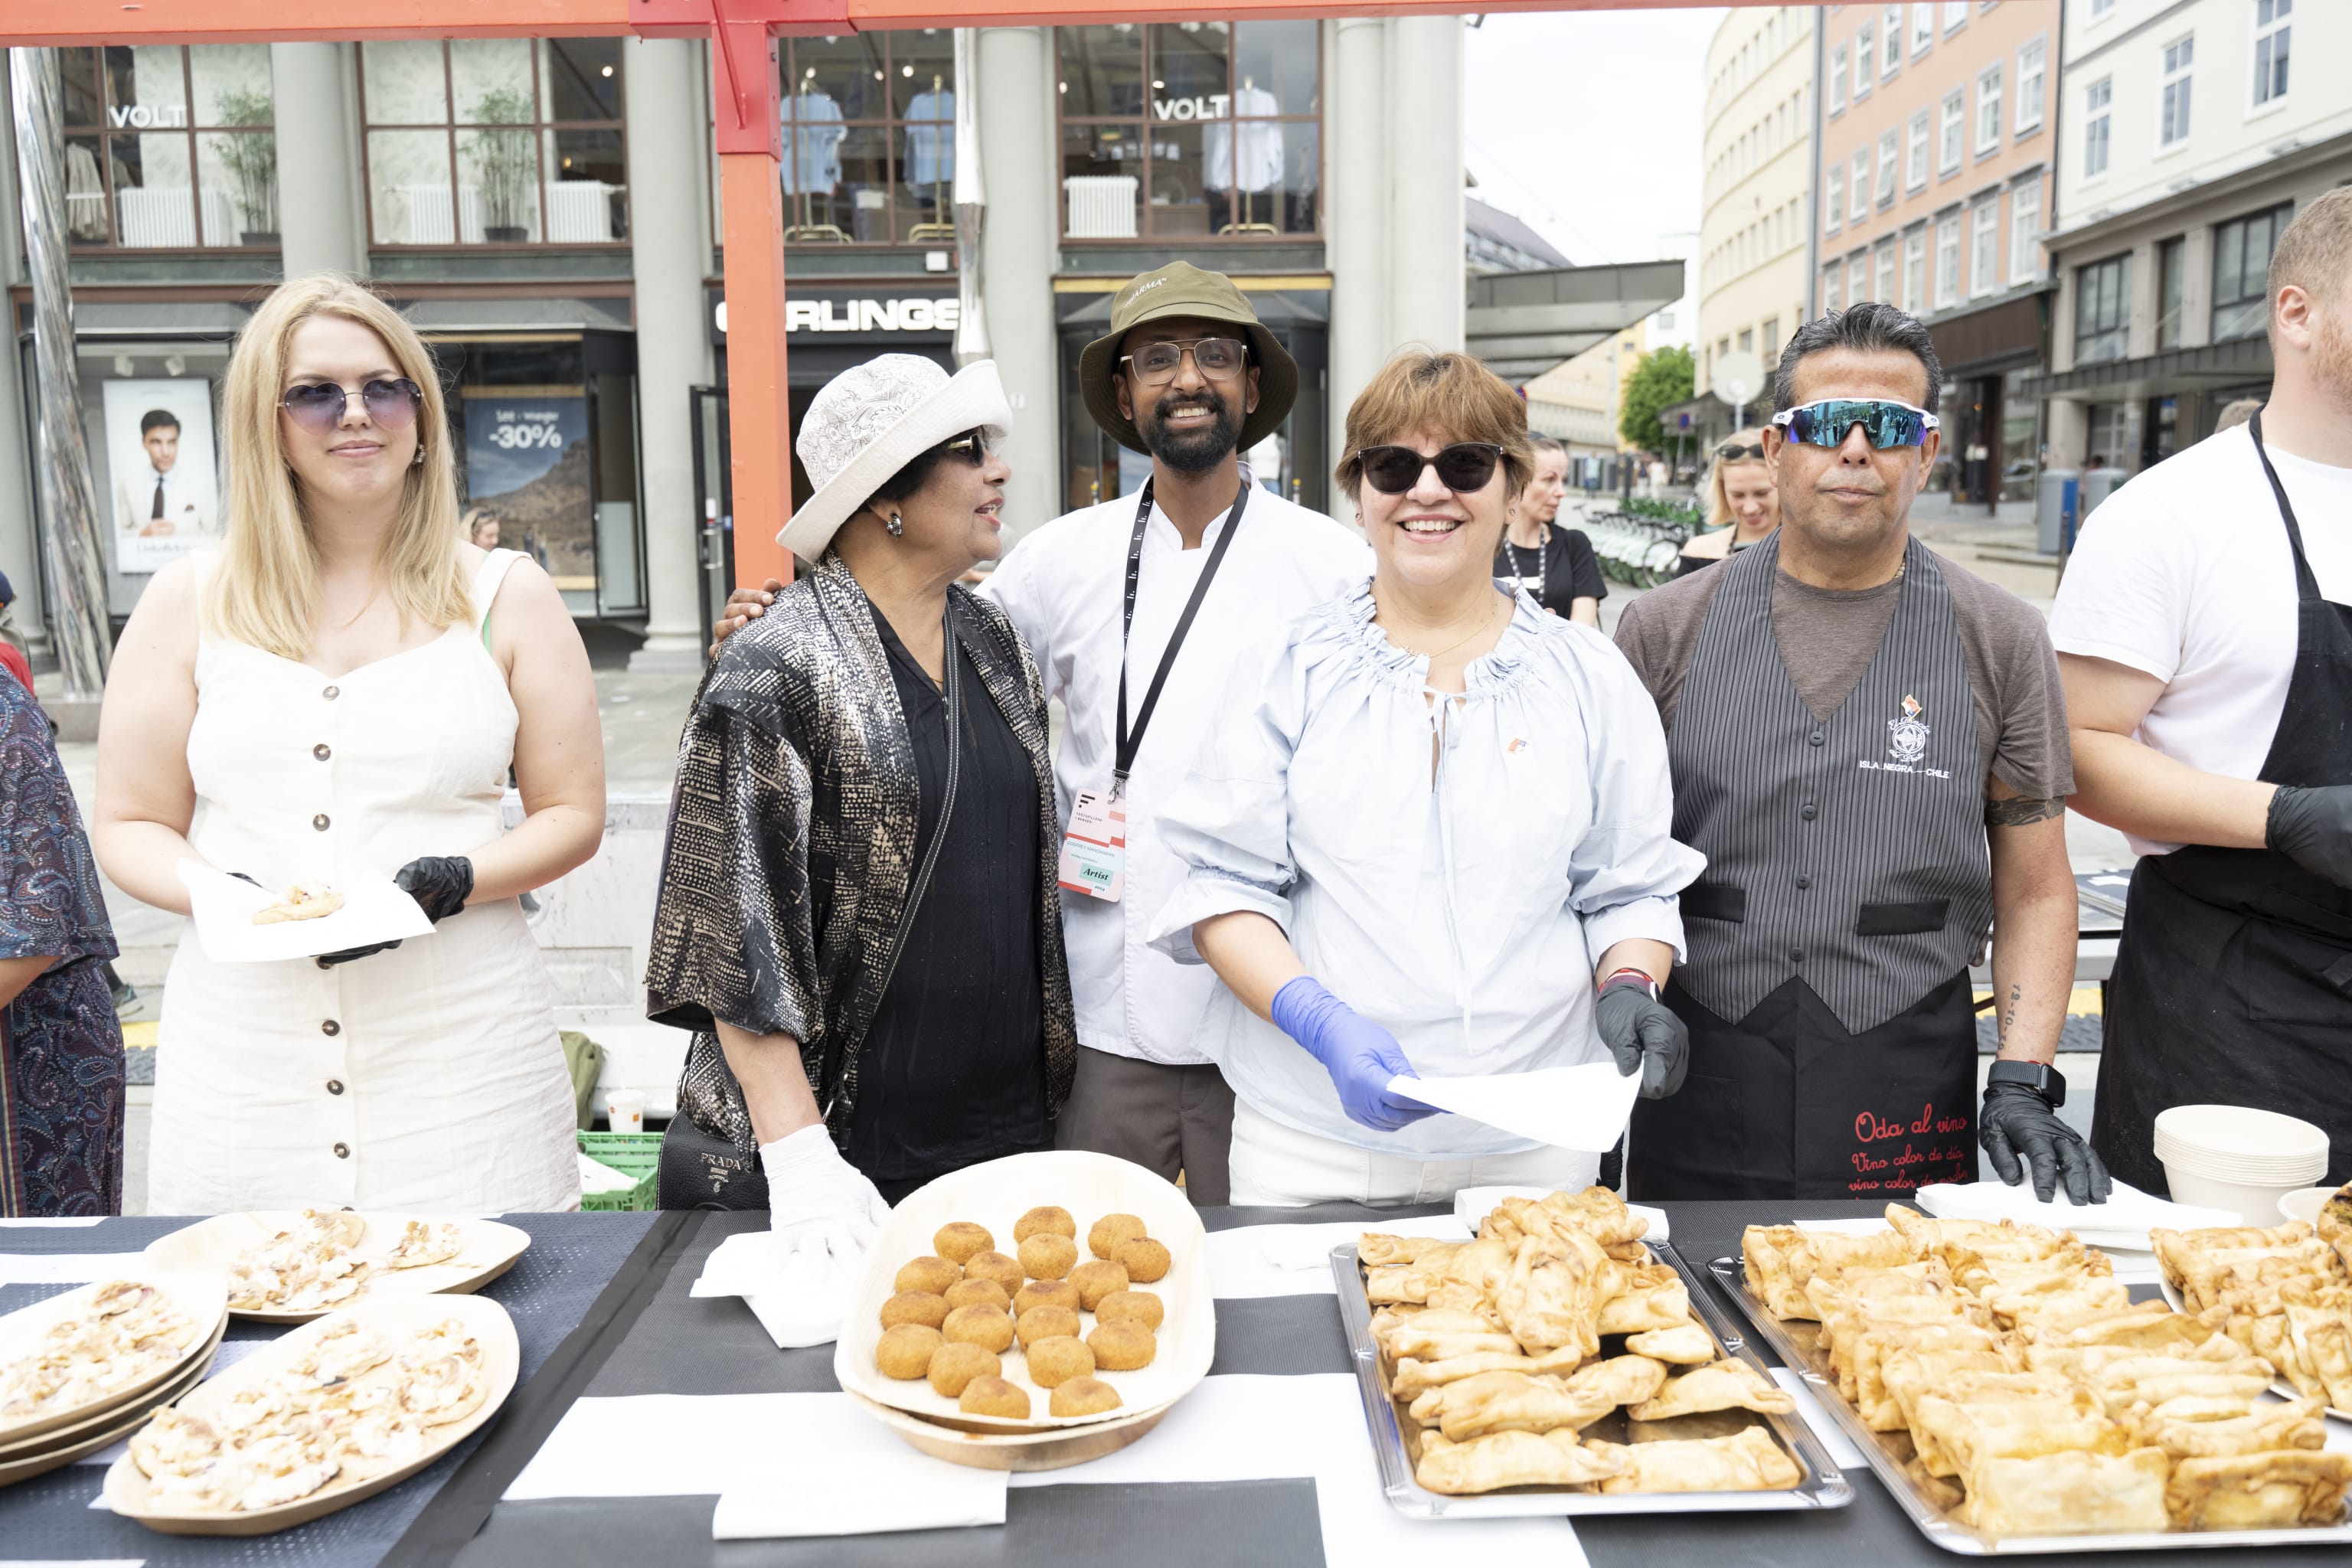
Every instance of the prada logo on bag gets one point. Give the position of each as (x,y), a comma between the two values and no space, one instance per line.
(1907,743)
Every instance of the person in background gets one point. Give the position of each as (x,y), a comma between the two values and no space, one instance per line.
(12,652)
(1743,503)
(1869,747)
(2237,414)
(857,913)
(340,692)
(1187,374)
(61,1078)
(1553,564)
(1444,805)
(2204,630)
(159,503)
(482,527)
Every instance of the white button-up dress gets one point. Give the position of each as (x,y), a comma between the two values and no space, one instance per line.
(1464,907)
(428,1077)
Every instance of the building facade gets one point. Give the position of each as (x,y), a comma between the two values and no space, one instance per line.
(545,212)
(1577,404)
(1938,133)
(2193,133)
(1758,167)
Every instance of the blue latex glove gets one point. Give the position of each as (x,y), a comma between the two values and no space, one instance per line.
(1360,1056)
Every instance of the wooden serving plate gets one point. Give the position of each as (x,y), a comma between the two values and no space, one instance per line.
(1033,1449)
(197,1294)
(212,1246)
(63,1446)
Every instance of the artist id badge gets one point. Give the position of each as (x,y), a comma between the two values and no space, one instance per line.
(1094,850)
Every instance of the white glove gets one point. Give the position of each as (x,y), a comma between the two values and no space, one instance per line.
(818,1202)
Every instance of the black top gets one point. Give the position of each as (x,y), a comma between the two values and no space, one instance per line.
(1566,563)
(954,1066)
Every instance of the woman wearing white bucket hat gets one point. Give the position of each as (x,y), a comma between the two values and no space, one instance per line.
(859,914)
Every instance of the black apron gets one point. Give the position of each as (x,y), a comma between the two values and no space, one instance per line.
(2232,984)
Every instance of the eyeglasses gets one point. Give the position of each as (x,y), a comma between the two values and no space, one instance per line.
(1219,359)
(972,444)
(318,405)
(1732,454)
(1884,422)
(1463,467)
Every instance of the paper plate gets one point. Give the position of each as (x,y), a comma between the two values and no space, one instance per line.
(995,1196)
(222,907)
(67,1444)
(213,1246)
(1053,1449)
(198,1296)
(485,1320)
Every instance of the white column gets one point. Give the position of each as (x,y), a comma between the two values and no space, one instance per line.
(321,209)
(1427,217)
(669,255)
(1356,181)
(1022,246)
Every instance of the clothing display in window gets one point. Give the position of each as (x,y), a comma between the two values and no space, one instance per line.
(811,161)
(930,139)
(1253,162)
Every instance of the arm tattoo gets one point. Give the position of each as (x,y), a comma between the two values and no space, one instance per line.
(2019,811)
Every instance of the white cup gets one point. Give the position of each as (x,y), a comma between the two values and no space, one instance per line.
(625,1111)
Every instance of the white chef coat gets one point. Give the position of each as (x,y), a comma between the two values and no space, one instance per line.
(1464,913)
(1063,585)
(2185,574)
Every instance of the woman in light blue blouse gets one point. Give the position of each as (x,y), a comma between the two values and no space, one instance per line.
(1432,836)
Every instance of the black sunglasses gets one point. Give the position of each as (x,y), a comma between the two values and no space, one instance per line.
(972,444)
(317,405)
(1464,466)
(1732,454)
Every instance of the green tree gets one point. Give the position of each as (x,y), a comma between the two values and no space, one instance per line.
(1662,379)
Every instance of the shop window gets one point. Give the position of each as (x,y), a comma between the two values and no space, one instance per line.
(495,142)
(870,138)
(1193,129)
(2241,264)
(170,147)
(2103,310)
(2171,269)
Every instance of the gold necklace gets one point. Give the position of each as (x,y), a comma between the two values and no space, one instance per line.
(1484,622)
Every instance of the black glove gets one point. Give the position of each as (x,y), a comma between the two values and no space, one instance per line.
(439,883)
(1644,1035)
(2313,827)
(243,877)
(2016,1117)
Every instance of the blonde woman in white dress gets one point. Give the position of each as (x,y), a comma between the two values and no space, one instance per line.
(340,690)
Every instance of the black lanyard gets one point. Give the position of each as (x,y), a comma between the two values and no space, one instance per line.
(1129,742)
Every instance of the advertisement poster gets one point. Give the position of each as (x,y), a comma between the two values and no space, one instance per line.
(527,466)
(159,448)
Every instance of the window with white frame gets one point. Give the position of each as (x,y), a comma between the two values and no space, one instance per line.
(2102,9)
(1956,12)
(2095,99)
(2172,117)
(1984,247)
(1857,278)
(1914,270)
(1865,60)
(2025,229)
(1833,294)
(1837,80)
(1833,199)
(2271,31)
(1923,26)
(1988,109)
(1885,259)
(1947,262)
(1955,114)
(1858,203)
(2032,64)
(1915,156)
(1889,154)
(1890,33)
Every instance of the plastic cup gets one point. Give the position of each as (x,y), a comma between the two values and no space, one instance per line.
(625,1111)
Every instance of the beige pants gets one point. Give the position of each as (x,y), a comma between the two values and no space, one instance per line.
(1275,1166)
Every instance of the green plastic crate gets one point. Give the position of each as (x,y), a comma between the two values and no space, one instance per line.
(635,1154)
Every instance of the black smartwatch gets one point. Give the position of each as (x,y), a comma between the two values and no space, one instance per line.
(2039,1077)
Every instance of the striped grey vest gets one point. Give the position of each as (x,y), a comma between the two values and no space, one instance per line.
(1850,852)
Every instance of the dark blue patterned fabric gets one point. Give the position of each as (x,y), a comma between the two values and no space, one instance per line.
(61,1094)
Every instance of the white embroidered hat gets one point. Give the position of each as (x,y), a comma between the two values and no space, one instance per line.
(872,420)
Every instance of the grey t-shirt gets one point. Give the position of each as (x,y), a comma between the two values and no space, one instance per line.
(1828,639)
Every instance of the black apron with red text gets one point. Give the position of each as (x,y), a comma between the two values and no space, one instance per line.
(2232,984)
(1848,887)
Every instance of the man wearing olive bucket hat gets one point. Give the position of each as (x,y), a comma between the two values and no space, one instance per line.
(1133,609)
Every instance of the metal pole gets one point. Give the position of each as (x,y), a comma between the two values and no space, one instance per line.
(76,573)
(972,343)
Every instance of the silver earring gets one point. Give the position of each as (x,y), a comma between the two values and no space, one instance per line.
(417,461)
(896,526)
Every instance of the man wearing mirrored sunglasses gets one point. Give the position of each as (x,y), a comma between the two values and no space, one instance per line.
(1133,609)
(1869,746)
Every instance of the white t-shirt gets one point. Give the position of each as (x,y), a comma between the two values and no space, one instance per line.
(2185,572)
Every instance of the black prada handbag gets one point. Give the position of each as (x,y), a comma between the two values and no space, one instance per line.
(699,1172)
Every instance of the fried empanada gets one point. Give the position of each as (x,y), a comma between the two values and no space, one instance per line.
(2259,1491)
(1687,1345)
(2185,1432)
(1510,1459)
(2072,1493)
(1728,1384)
(1747,1461)
(1508,1402)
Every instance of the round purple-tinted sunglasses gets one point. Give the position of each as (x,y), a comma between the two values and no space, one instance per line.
(317,405)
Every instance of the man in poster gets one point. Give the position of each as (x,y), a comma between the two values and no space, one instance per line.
(160,500)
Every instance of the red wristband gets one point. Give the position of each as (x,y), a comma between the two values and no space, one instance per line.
(1641,976)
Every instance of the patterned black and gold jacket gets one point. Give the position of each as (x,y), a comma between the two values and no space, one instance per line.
(792,842)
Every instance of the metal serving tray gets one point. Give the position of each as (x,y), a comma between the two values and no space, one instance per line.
(1798,1344)
(1822,1486)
